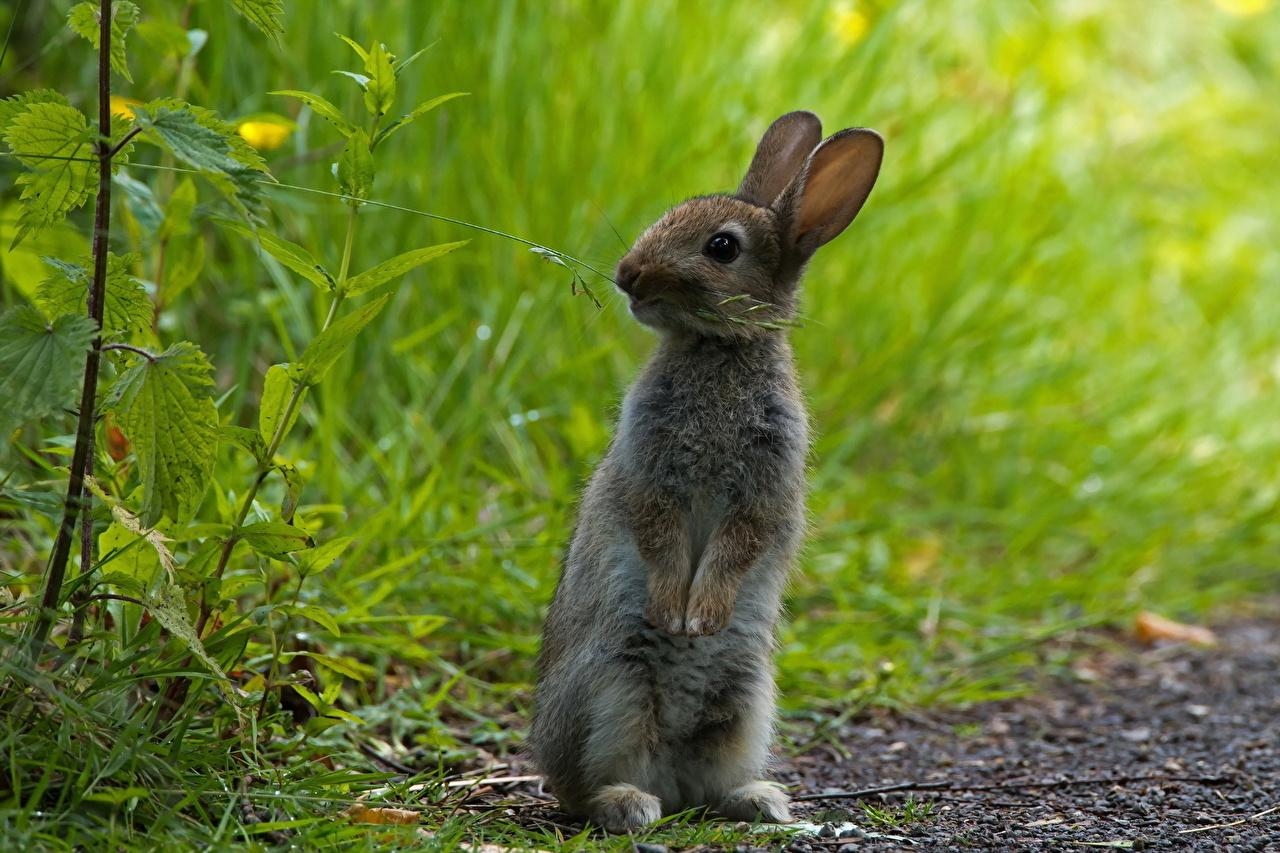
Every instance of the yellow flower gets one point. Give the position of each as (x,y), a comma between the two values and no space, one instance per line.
(1244,8)
(122,106)
(265,135)
(850,25)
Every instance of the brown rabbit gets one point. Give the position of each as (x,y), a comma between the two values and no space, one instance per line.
(655,690)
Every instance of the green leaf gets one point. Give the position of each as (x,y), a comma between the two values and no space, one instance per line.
(166,409)
(315,613)
(413,115)
(117,796)
(292,491)
(200,139)
(275,538)
(380,93)
(402,64)
(141,202)
(135,557)
(325,348)
(56,144)
(127,313)
(266,15)
(320,107)
(184,261)
(84,19)
(398,266)
(294,257)
(322,556)
(12,106)
(41,364)
(169,607)
(355,167)
(247,439)
(277,389)
(180,211)
(364,55)
(196,136)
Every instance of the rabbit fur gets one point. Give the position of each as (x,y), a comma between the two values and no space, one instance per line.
(655,690)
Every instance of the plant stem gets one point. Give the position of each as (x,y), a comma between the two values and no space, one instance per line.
(78,499)
(277,437)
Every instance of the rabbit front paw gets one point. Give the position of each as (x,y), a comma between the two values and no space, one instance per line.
(665,616)
(707,615)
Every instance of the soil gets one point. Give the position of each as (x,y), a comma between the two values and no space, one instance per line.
(1171,747)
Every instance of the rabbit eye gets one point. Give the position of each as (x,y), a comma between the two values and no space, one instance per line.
(722,247)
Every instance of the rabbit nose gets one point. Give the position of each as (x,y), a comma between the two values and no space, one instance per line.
(628,274)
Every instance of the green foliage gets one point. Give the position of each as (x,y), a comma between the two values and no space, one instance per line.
(1040,366)
(40,363)
(277,410)
(324,350)
(198,138)
(266,15)
(399,265)
(56,144)
(165,407)
(84,19)
(127,312)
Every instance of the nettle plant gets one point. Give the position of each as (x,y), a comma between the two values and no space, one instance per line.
(149,437)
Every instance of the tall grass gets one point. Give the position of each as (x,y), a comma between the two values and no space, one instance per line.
(1042,365)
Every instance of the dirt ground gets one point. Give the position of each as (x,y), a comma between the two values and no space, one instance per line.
(1172,747)
(1139,747)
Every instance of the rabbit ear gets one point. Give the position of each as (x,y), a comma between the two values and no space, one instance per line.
(779,156)
(831,189)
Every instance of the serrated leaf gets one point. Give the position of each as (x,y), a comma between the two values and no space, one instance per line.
(196,136)
(10,107)
(127,312)
(320,107)
(277,389)
(266,15)
(41,364)
(380,92)
(200,139)
(56,144)
(355,167)
(275,538)
(413,115)
(292,491)
(322,556)
(325,348)
(398,266)
(169,607)
(165,407)
(247,439)
(84,19)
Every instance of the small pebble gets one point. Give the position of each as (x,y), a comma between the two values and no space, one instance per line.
(650,848)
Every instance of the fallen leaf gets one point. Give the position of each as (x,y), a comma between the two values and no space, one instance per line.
(360,813)
(1151,627)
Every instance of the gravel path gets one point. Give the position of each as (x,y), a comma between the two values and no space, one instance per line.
(1167,748)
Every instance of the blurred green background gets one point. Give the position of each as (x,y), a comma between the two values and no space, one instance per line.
(1042,364)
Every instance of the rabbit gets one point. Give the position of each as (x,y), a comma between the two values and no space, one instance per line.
(655,688)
